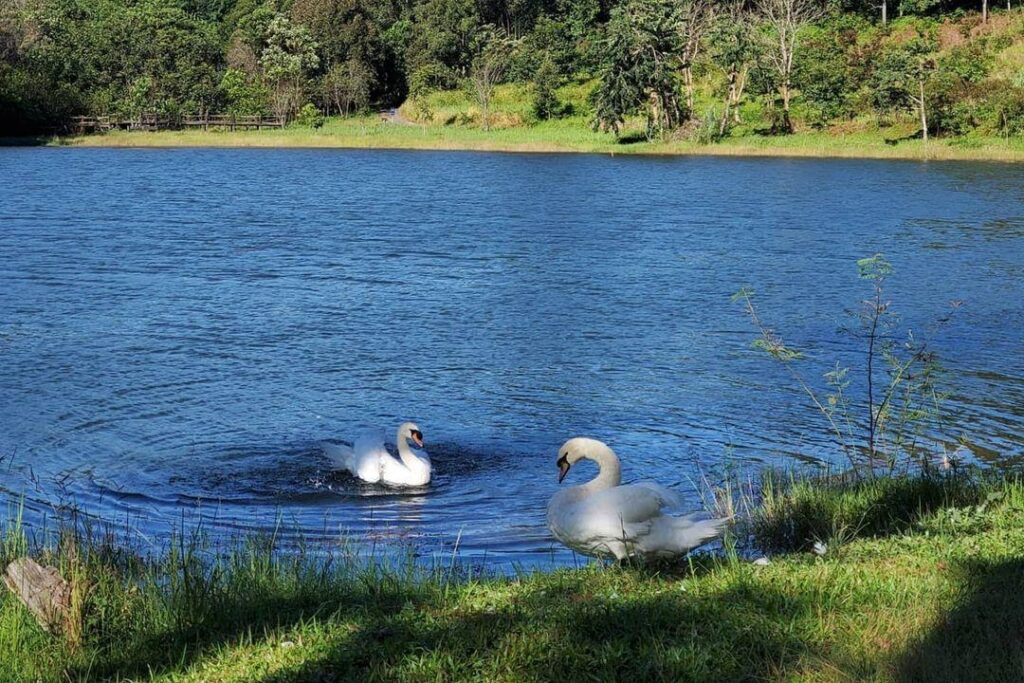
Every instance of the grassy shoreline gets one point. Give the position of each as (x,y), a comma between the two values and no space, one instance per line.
(920,582)
(568,136)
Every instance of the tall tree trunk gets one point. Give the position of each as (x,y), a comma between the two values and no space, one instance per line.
(885,12)
(728,100)
(741,85)
(984,11)
(688,82)
(924,117)
(787,125)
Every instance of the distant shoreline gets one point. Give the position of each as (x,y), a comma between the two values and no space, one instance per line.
(361,134)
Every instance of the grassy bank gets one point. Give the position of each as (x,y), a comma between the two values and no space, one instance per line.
(563,136)
(920,582)
(449,120)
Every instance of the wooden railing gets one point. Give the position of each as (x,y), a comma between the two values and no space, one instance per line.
(154,122)
(232,122)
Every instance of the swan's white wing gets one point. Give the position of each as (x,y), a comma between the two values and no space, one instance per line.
(370,441)
(368,454)
(627,520)
(672,498)
(604,523)
(341,455)
(609,512)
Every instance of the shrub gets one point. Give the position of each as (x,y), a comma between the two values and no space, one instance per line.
(309,116)
(707,130)
(1008,111)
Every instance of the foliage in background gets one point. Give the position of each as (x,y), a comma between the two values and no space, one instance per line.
(639,71)
(646,69)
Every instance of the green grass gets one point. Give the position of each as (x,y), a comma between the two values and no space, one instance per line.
(566,135)
(921,582)
(452,122)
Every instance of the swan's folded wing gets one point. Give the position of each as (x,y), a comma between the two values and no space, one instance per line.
(672,498)
(630,504)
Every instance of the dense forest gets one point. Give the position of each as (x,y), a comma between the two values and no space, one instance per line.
(672,67)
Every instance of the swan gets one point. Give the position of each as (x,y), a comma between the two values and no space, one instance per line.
(369,460)
(603,519)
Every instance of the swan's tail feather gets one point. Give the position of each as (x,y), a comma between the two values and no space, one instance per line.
(342,457)
(693,533)
(674,536)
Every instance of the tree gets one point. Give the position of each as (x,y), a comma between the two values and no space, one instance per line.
(545,101)
(286,59)
(242,94)
(546,104)
(783,21)
(444,40)
(696,18)
(901,74)
(639,72)
(352,33)
(823,73)
(732,49)
(487,71)
(347,86)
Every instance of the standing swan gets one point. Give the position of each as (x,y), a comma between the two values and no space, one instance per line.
(371,462)
(602,518)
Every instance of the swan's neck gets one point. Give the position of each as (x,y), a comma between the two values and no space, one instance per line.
(609,471)
(411,460)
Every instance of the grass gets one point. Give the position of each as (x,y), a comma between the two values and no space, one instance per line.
(920,583)
(451,121)
(564,135)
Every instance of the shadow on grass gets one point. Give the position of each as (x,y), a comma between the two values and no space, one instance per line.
(892,142)
(794,515)
(565,632)
(225,617)
(632,139)
(612,624)
(982,639)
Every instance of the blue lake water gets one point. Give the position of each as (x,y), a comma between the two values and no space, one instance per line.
(179,329)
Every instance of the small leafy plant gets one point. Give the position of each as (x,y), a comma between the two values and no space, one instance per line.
(901,403)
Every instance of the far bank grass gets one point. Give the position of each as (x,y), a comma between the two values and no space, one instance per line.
(565,136)
(449,120)
(921,582)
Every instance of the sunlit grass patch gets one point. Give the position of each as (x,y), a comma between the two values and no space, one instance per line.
(919,581)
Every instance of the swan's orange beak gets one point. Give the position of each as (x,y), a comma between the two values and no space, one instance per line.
(417,438)
(563,468)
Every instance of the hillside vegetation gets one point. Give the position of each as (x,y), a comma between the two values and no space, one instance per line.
(693,71)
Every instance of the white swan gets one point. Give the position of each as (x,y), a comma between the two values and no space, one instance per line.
(602,518)
(369,460)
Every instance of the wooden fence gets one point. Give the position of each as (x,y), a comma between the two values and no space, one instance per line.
(153,122)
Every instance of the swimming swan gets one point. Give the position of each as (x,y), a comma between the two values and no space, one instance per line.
(602,518)
(371,462)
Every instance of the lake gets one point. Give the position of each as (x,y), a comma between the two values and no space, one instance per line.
(180,329)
